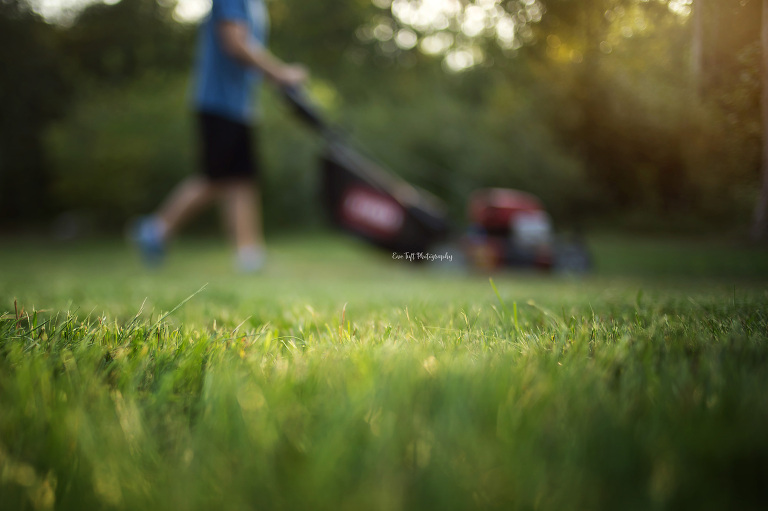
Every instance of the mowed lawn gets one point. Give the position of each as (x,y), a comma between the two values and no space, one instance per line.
(341,379)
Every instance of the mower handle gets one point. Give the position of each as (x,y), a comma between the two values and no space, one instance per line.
(304,108)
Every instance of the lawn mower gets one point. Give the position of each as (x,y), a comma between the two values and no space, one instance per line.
(510,228)
(507,227)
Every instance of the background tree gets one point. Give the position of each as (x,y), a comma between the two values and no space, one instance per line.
(35,89)
(729,49)
(760,221)
(114,43)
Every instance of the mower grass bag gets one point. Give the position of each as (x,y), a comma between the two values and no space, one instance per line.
(366,200)
(369,201)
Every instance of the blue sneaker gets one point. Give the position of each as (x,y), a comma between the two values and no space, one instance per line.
(146,234)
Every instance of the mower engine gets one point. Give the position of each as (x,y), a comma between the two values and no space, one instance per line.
(508,228)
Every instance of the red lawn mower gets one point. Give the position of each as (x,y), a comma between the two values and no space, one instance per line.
(508,228)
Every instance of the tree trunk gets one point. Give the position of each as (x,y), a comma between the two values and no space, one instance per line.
(760,222)
(697,48)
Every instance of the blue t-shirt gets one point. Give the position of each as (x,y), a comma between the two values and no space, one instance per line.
(224,86)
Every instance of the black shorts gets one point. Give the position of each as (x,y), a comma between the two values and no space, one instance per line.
(228,148)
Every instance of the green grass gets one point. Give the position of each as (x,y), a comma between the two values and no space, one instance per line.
(342,380)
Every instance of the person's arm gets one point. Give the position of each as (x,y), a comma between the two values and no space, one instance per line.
(236,42)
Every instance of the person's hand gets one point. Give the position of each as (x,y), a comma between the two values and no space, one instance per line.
(291,75)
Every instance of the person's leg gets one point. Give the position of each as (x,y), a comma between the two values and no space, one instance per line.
(188,198)
(242,212)
(229,172)
(151,232)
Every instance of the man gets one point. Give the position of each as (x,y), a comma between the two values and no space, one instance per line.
(232,61)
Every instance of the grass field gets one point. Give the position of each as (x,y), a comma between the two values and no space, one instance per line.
(340,379)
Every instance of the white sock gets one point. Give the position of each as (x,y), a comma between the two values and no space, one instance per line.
(250,258)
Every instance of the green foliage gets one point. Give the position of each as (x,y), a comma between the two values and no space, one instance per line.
(319,34)
(44,65)
(123,148)
(614,81)
(648,140)
(456,139)
(104,44)
(590,105)
(34,88)
(393,389)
